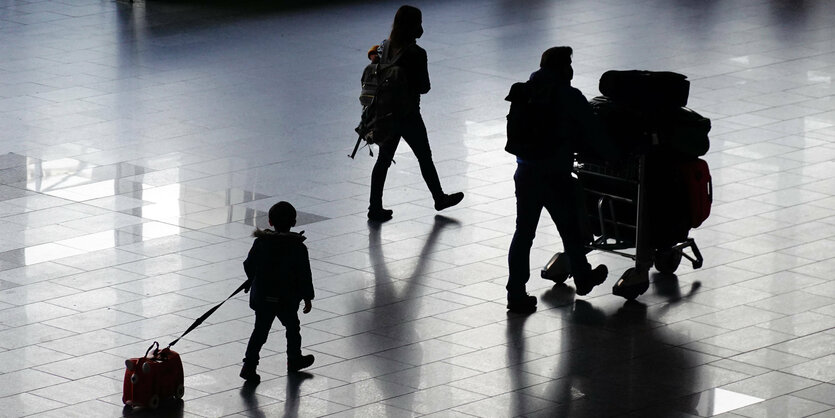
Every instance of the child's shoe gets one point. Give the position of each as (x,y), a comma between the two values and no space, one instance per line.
(248,374)
(521,304)
(303,362)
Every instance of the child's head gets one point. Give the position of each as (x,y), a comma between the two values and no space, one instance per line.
(373,55)
(282,216)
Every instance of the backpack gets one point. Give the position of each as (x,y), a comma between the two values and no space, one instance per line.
(531,125)
(384,97)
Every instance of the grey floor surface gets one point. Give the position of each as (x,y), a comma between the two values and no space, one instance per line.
(140,143)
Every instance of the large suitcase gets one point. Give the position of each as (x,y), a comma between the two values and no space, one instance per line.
(150,379)
(642,88)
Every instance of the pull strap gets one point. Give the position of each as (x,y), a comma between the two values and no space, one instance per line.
(152,346)
(200,320)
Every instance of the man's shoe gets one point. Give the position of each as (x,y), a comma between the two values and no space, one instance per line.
(302,362)
(248,374)
(448,200)
(380,215)
(524,305)
(585,284)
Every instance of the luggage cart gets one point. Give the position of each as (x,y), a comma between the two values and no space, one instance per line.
(616,199)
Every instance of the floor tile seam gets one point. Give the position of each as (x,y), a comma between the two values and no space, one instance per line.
(480,397)
(806,294)
(173,292)
(781,316)
(748,375)
(415,389)
(46,301)
(829,240)
(792,336)
(774,347)
(824,314)
(321,397)
(520,374)
(43,398)
(798,394)
(770,272)
(478,350)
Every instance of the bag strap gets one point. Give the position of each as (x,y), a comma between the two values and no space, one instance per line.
(208,313)
(152,346)
(385,52)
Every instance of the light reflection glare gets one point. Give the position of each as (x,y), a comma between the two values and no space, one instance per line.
(47,252)
(742,60)
(718,401)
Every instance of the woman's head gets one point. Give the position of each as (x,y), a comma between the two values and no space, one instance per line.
(407,25)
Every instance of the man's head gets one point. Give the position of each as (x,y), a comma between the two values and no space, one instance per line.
(558,59)
(282,216)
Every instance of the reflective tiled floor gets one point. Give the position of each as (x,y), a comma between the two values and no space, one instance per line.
(141,143)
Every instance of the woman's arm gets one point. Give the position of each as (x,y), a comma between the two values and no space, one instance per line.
(421,70)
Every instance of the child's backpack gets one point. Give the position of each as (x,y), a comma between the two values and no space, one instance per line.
(384,98)
(531,125)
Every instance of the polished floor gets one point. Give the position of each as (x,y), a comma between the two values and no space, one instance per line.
(142,142)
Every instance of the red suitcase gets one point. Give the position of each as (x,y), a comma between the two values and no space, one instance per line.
(699,186)
(148,380)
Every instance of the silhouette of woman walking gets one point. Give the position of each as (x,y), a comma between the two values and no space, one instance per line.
(411,59)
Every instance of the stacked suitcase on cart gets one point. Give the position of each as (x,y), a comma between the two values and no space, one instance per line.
(660,188)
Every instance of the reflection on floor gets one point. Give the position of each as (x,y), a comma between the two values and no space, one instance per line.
(143,141)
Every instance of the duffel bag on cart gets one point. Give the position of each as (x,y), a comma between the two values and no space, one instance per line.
(648,89)
(678,129)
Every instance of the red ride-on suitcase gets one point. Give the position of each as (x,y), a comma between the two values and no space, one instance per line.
(148,380)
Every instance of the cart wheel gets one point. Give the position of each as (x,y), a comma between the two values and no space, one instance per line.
(667,261)
(180,392)
(557,269)
(153,403)
(631,284)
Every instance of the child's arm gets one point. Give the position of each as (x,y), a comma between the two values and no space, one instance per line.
(306,282)
(249,268)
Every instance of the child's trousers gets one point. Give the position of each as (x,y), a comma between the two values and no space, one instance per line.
(289,317)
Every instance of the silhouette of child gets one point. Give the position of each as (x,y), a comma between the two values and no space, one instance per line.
(278,272)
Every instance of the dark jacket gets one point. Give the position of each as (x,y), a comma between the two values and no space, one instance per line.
(576,128)
(413,61)
(279,269)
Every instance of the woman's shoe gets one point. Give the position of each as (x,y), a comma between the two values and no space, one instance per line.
(380,215)
(448,200)
(302,362)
